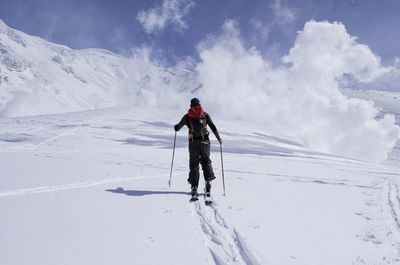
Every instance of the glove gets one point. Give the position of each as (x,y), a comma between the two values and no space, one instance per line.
(217,136)
(176,128)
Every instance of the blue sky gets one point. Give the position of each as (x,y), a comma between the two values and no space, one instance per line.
(270,25)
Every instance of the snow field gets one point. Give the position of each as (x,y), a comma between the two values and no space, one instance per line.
(92,188)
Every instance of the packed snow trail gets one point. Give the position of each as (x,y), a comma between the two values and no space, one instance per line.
(391,193)
(86,184)
(225,244)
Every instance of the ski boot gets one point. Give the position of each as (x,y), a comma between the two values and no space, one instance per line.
(195,195)
(208,189)
(207,193)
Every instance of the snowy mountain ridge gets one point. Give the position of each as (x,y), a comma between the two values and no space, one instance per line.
(34,70)
(39,77)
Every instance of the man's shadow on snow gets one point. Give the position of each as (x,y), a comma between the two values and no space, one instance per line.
(145,192)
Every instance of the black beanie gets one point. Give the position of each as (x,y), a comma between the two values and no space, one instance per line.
(194,102)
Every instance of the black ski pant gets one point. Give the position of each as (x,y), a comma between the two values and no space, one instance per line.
(199,153)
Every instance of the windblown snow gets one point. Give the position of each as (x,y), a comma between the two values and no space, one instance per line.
(86,147)
(301,101)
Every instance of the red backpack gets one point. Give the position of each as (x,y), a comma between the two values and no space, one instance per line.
(197,121)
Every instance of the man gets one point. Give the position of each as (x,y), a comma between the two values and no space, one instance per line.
(199,145)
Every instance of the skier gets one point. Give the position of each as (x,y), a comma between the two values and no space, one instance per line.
(199,145)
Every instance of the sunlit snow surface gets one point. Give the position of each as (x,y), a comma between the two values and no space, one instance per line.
(92,188)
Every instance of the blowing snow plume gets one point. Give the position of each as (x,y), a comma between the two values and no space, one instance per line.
(299,99)
(302,98)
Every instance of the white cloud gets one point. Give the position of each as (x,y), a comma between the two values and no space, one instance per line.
(324,48)
(299,99)
(262,30)
(149,84)
(171,12)
(282,18)
(302,99)
(389,80)
(282,13)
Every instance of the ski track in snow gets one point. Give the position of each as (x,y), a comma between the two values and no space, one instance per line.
(391,192)
(35,147)
(73,131)
(50,141)
(225,244)
(86,184)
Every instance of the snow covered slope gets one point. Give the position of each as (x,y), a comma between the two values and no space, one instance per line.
(91,188)
(39,77)
(53,78)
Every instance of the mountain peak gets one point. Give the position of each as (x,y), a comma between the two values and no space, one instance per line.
(3,24)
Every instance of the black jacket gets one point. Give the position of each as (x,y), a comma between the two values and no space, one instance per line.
(185,121)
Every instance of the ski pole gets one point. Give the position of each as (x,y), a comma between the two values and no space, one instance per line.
(222,165)
(172,163)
